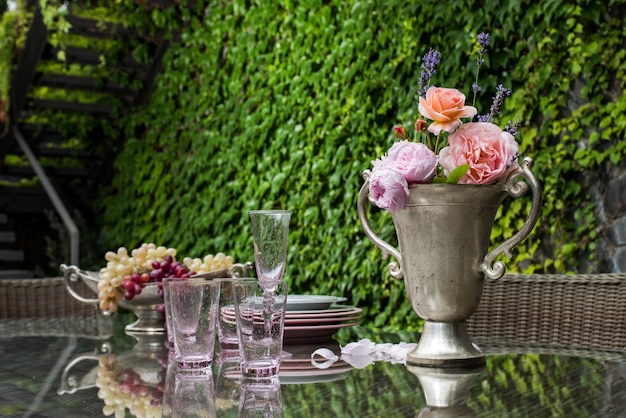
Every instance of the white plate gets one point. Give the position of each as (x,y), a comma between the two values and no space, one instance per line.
(311,302)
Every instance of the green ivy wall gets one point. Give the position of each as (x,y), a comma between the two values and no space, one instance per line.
(283,104)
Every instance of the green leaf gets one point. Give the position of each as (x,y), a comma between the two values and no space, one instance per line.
(457,173)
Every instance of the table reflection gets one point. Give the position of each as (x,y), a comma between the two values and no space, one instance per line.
(188,393)
(227,383)
(260,398)
(446,391)
(132,380)
(517,381)
(145,382)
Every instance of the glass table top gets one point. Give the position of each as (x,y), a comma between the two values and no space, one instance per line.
(121,375)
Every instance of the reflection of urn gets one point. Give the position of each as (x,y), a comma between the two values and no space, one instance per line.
(443,235)
(446,391)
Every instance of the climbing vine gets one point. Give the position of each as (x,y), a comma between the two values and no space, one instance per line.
(283,105)
(13,26)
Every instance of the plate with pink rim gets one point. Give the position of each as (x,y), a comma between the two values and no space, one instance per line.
(331,312)
(328,320)
(314,333)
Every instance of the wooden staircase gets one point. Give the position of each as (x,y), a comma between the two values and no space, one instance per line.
(12,259)
(63,113)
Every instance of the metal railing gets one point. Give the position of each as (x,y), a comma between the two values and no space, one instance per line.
(52,194)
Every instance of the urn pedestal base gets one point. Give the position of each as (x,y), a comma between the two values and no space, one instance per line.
(445,345)
(149,321)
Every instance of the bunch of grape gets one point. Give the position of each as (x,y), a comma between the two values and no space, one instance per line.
(146,254)
(125,276)
(109,291)
(122,389)
(209,263)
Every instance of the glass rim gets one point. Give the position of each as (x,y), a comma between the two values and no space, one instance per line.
(192,280)
(270,211)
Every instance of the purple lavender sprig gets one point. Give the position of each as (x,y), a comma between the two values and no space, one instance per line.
(429,68)
(484,39)
(498,100)
(513,128)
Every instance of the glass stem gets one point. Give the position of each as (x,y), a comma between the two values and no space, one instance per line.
(268,305)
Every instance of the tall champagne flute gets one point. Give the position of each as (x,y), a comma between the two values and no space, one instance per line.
(271,230)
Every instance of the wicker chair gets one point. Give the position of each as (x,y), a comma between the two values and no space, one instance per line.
(45,307)
(548,311)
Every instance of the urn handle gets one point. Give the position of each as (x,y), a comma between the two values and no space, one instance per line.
(385,247)
(72,276)
(240,270)
(515,187)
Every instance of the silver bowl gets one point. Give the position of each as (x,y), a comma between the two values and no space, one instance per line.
(143,305)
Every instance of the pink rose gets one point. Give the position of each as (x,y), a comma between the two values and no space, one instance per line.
(414,160)
(489,152)
(445,107)
(388,187)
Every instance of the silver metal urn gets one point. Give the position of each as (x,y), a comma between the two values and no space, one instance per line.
(444,236)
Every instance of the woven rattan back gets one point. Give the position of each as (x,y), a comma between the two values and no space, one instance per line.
(586,311)
(40,298)
(45,307)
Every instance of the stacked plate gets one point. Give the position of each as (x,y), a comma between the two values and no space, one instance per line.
(312,318)
(315,318)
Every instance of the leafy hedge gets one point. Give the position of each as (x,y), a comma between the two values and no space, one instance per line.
(283,104)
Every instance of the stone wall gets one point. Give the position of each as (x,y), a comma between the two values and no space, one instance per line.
(608,193)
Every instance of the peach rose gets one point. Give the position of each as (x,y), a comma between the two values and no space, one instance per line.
(445,107)
(490,152)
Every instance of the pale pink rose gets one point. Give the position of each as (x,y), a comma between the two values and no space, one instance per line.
(445,107)
(388,187)
(414,160)
(489,152)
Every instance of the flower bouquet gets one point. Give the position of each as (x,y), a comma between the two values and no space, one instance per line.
(445,150)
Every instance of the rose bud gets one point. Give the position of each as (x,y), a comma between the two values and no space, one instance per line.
(420,125)
(399,132)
